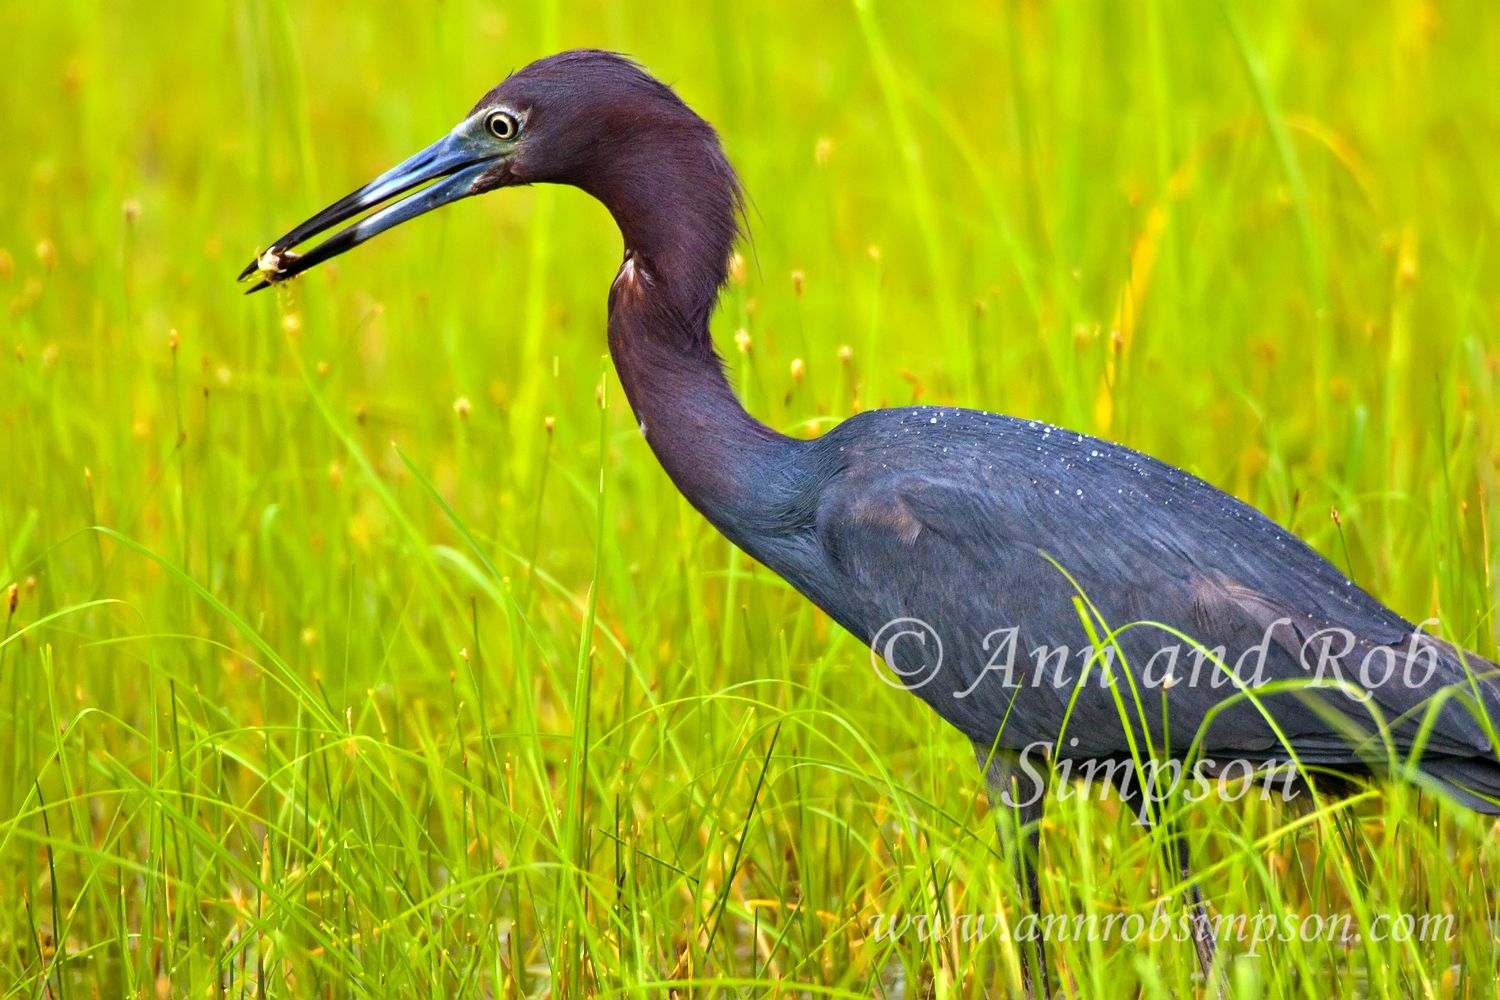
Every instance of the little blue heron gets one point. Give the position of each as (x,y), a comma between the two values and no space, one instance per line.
(975,530)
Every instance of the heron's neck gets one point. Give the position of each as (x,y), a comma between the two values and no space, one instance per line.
(723,460)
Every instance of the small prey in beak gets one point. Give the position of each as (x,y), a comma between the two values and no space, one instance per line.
(469,160)
(269,266)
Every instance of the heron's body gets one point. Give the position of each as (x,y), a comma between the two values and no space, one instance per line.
(974,524)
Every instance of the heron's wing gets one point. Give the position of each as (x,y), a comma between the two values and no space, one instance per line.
(998,544)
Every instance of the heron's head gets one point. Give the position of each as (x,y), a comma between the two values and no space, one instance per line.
(592,119)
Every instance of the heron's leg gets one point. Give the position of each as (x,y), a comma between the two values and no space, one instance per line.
(1018,809)
(1203,931)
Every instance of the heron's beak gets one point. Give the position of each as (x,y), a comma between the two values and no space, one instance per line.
(455,163)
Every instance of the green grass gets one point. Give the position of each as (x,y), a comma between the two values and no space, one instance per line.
(321,682)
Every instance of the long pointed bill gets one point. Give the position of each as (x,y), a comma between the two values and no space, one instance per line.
(454,162)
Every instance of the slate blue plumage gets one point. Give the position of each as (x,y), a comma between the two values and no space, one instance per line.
(962,519)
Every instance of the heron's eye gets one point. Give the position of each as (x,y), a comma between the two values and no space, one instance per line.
(502,125)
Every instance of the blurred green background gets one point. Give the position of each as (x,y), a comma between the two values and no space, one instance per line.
(355,648)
